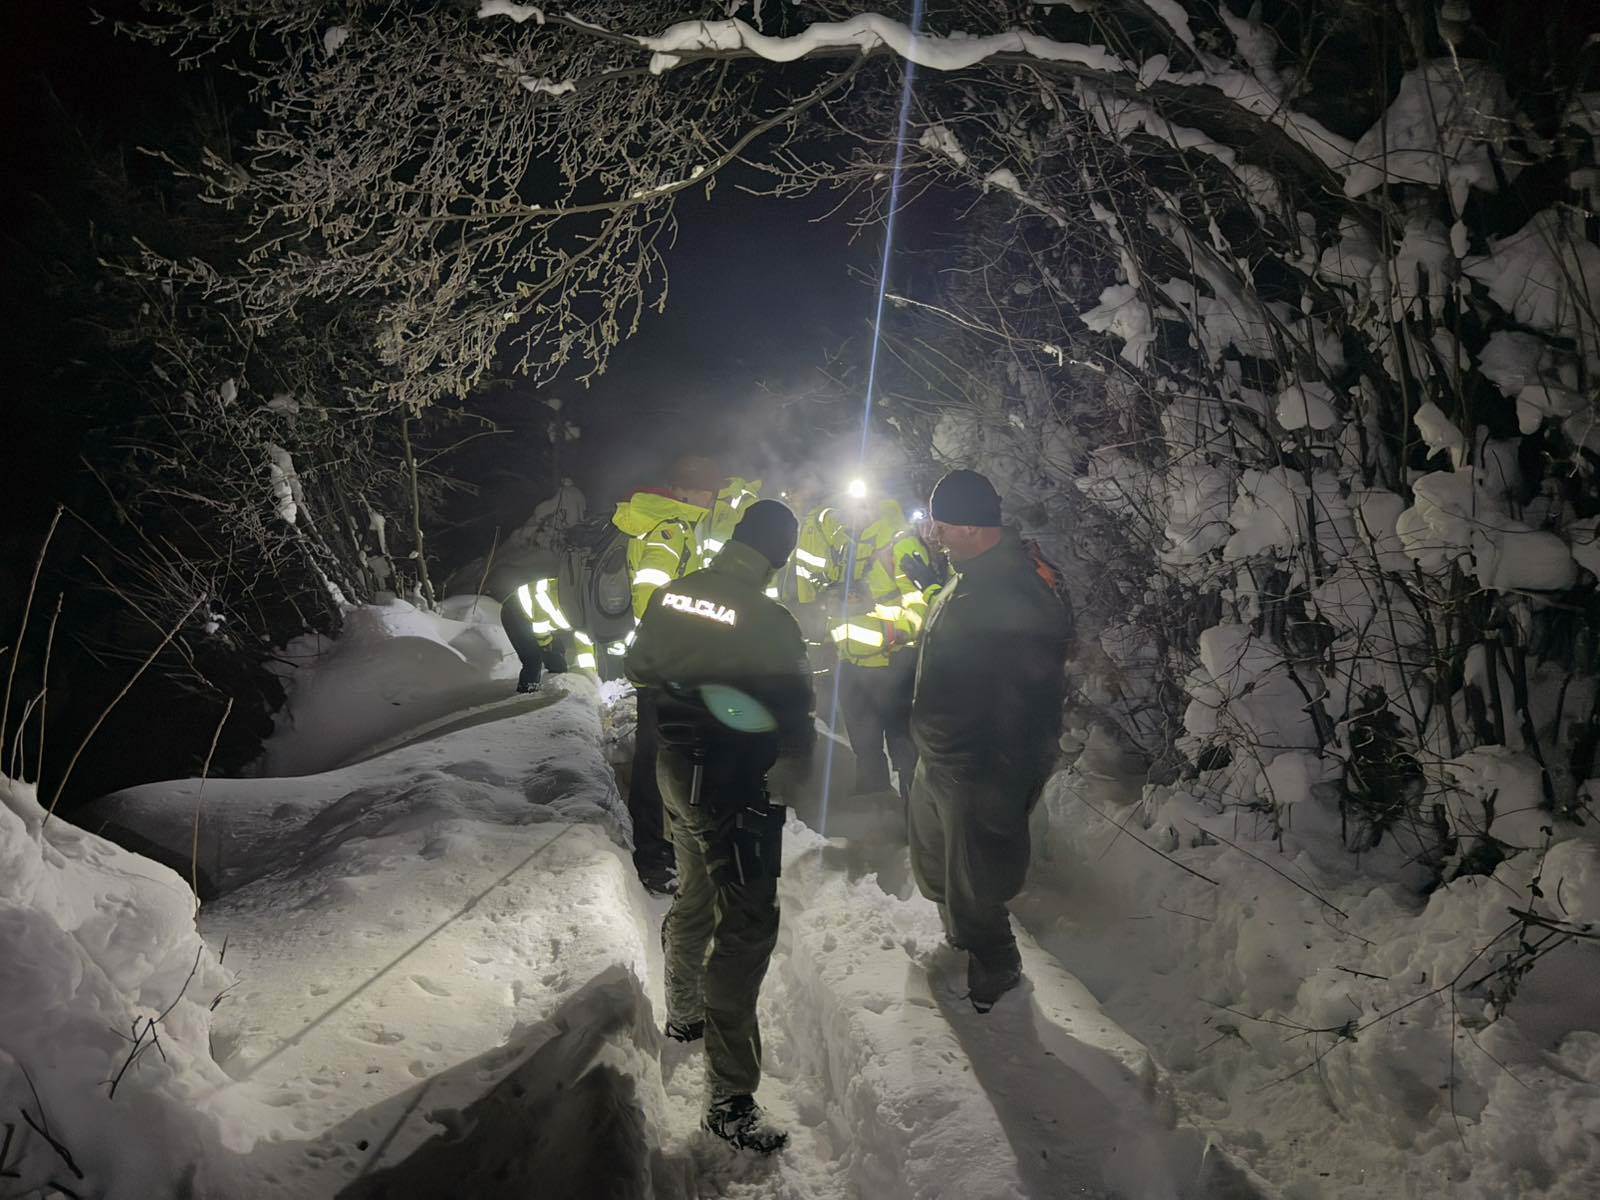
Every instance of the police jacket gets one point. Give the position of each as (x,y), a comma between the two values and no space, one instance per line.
(717,626)
(991,671)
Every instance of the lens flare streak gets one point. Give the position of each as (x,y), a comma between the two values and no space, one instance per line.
(872,380)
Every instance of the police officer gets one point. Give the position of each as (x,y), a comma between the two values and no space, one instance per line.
(711,631)
(662,525)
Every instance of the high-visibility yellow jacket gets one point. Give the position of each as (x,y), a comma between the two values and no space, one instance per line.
(541,601)
(732,500)
(819,552)
(664,541)
(882,610)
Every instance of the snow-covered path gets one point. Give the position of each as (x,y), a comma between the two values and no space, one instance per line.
(449,983)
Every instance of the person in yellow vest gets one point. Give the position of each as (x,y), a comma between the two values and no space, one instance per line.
(874,613)
(663,527)
(735,496)
(540,631)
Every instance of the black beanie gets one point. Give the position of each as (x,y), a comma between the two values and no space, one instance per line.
(770,527)
(965,498)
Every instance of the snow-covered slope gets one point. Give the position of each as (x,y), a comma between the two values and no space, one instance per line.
(1308,1012)
(442,979)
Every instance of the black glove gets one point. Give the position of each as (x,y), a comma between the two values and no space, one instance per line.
(919,570)
(555,658)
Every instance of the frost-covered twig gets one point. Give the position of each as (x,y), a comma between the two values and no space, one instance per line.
(1154,850)
(151,1028)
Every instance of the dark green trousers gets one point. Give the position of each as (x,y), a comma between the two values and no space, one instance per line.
(719,933)
(969,854)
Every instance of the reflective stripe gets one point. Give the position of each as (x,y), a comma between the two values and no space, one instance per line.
(857,633)
(658,544)
(811,560)
(914,598)
(525,598)
(586,661)
(632,633)
(772,592)
(583,638)
(616,648)
(651,576)
(712,545)
(543,628)
(546,602)
(804,574)
(887,612)
(914,619)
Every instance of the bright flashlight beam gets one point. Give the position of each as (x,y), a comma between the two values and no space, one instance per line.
(857,489)
(872,381)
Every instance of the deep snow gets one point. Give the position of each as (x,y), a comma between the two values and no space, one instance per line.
(442,979)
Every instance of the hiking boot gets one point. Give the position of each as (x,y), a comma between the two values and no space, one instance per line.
(529,680)
(739,1121)
(685,1031)
(986,984)
(660,879)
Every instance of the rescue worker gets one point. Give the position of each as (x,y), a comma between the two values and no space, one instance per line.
(736,495)
(874,613)
(664,546)
(716,628)
(985,717)
(541,631)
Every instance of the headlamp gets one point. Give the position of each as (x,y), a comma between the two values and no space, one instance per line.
(856,489)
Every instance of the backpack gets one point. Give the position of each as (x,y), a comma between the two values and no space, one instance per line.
(593,580)
(1054,579)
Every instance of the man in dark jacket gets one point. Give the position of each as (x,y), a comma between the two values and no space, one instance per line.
(985,718)
(726,667)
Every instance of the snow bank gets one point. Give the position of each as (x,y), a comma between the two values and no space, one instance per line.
(1320,1022)
(406,927)
(104,977)
(393,666)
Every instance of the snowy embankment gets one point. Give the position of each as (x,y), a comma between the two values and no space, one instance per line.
(1309,1015)
(439,977)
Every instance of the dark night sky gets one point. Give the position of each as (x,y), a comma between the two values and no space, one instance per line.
(759,294)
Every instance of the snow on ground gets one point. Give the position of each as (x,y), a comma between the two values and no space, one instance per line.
(392,666)
(104,983)
(441,978)
(1315,1045)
